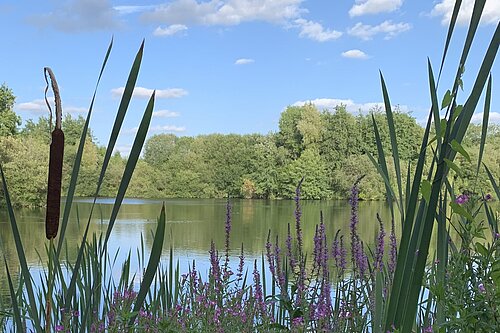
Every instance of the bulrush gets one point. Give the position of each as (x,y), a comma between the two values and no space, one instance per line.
(55,162)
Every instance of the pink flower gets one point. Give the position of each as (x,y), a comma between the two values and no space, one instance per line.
(462,198)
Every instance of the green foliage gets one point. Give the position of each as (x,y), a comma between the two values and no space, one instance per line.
(9,121)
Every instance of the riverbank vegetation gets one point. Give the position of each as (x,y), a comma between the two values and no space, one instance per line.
(398,287)
(331,147)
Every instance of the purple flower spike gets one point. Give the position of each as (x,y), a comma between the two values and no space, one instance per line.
(462,199)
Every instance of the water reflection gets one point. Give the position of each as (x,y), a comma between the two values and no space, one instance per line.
(191,226)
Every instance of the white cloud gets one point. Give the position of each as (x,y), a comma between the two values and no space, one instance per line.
(79,15)
(356,54)
(315,31)
(158,128)
(244,61)
(167,128)
(39,106)
(125,10)
(170,30)
(224,12)
(493,118)
(140,92)
(165,114)
(363,7)
(444,9)
(124,150)
(287,13)
(387,28)
(351,106)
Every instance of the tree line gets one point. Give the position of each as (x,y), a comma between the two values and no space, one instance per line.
(329,148)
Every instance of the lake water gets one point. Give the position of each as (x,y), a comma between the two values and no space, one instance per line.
(191,225)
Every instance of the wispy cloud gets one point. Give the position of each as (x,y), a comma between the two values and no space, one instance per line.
(244,61)
(167,128)
(38,106)
(126,10)
(315,31)
(124,149)
(351,106)
(286,13)
(224,12)
(493,118)
(364,7)
(78,15)
(386,28)
(444,9)
(165,114)
(141,92)
(170,30)
(158,128)
(355,54)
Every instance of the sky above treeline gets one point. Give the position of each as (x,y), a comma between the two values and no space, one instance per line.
(232,66)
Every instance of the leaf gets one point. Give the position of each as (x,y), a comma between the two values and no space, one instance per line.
(481,249)
(446,99)
(453,166)
(459,149)
(456,208)
(425,189)
(154,260)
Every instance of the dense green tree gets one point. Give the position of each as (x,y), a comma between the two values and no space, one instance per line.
(310,166)
(9,120)
(159,148)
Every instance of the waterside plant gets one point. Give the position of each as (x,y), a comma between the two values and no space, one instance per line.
(394,287)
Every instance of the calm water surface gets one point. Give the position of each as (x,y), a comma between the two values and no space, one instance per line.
(191,226)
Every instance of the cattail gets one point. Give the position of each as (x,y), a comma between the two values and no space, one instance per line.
(55,164)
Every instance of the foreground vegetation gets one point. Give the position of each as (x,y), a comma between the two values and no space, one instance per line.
(398,288)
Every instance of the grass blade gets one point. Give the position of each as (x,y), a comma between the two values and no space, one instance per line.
(78,159)
(131,163)
(154,260)
(484,131)
(22,256)
(394,143)
(15,306)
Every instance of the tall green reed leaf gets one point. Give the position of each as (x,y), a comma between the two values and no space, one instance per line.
(33,311)
(78,158)
(154,260)
(13,296)
(484,131)
(394,143)
(127,95)
(457,134)
(131,163)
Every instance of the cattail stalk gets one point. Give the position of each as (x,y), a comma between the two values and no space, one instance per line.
(55,162)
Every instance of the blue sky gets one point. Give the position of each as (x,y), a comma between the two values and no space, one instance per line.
(232,66)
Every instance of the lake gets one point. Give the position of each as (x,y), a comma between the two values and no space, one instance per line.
(191,225)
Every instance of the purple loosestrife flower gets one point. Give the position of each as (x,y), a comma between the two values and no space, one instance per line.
(393,249)
(481,288)
(241,265)
(379,251)
(462,199)
(298,215)
(215,271)
(269,254)
(279,272)
(343,255)
(228,233)
(357,255)
(259,298)
(316,250)
(291,258)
